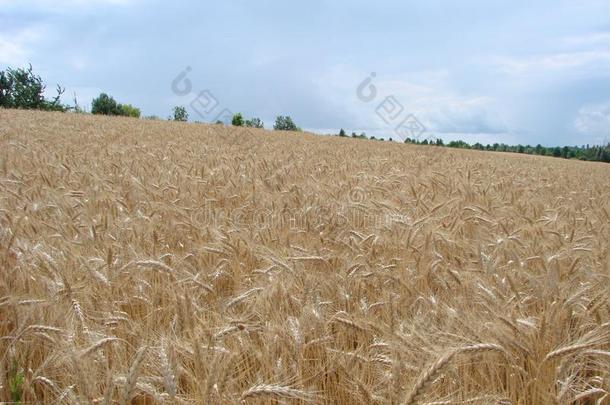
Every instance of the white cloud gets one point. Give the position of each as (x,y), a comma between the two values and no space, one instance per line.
(594,121)
(15,47)
(558,62)
(54,4)
(429,96)
(594,38)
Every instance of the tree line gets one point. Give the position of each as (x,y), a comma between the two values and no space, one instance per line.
(599,153)
(21,88)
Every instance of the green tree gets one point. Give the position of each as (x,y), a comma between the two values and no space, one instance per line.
(129,111)
(105,105)
(238,120)
(21,88)
(180,114)
(255,123)
(284,123)
(342,132)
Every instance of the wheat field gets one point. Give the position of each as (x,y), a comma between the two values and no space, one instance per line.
(152,262)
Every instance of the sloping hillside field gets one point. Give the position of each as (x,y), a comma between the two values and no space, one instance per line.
(157,262)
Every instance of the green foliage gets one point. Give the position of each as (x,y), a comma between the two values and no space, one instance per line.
(255,123)
(21,88)
(557,151)
(15,382)
(238,120)
(584,152)
(342,132)
(284,123)
(180,114)
(129,111)
(105,105)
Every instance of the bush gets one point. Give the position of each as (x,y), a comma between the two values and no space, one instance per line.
(105,105)
(21,88)
(129,111)
(238,120)
(255,123)
(180,114)
(284,123)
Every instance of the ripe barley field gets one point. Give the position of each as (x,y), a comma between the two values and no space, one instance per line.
(153,262)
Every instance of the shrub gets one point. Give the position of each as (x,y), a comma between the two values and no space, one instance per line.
(284,123)
(180,114)
(21,88)
(255,123)
(129,111)
(105,105)
(238,120)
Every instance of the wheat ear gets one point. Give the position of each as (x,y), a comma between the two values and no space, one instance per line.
(426,377)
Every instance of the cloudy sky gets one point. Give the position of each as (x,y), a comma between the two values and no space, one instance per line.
(479,70)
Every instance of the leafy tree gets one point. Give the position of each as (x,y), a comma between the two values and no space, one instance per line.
(129,111)
(238,120)
(255,123)
(180,114)
(342,132)
(557,151)
(105,105)
(21,88)
(284,123)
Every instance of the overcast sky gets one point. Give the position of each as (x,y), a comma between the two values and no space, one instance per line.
(478,70)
